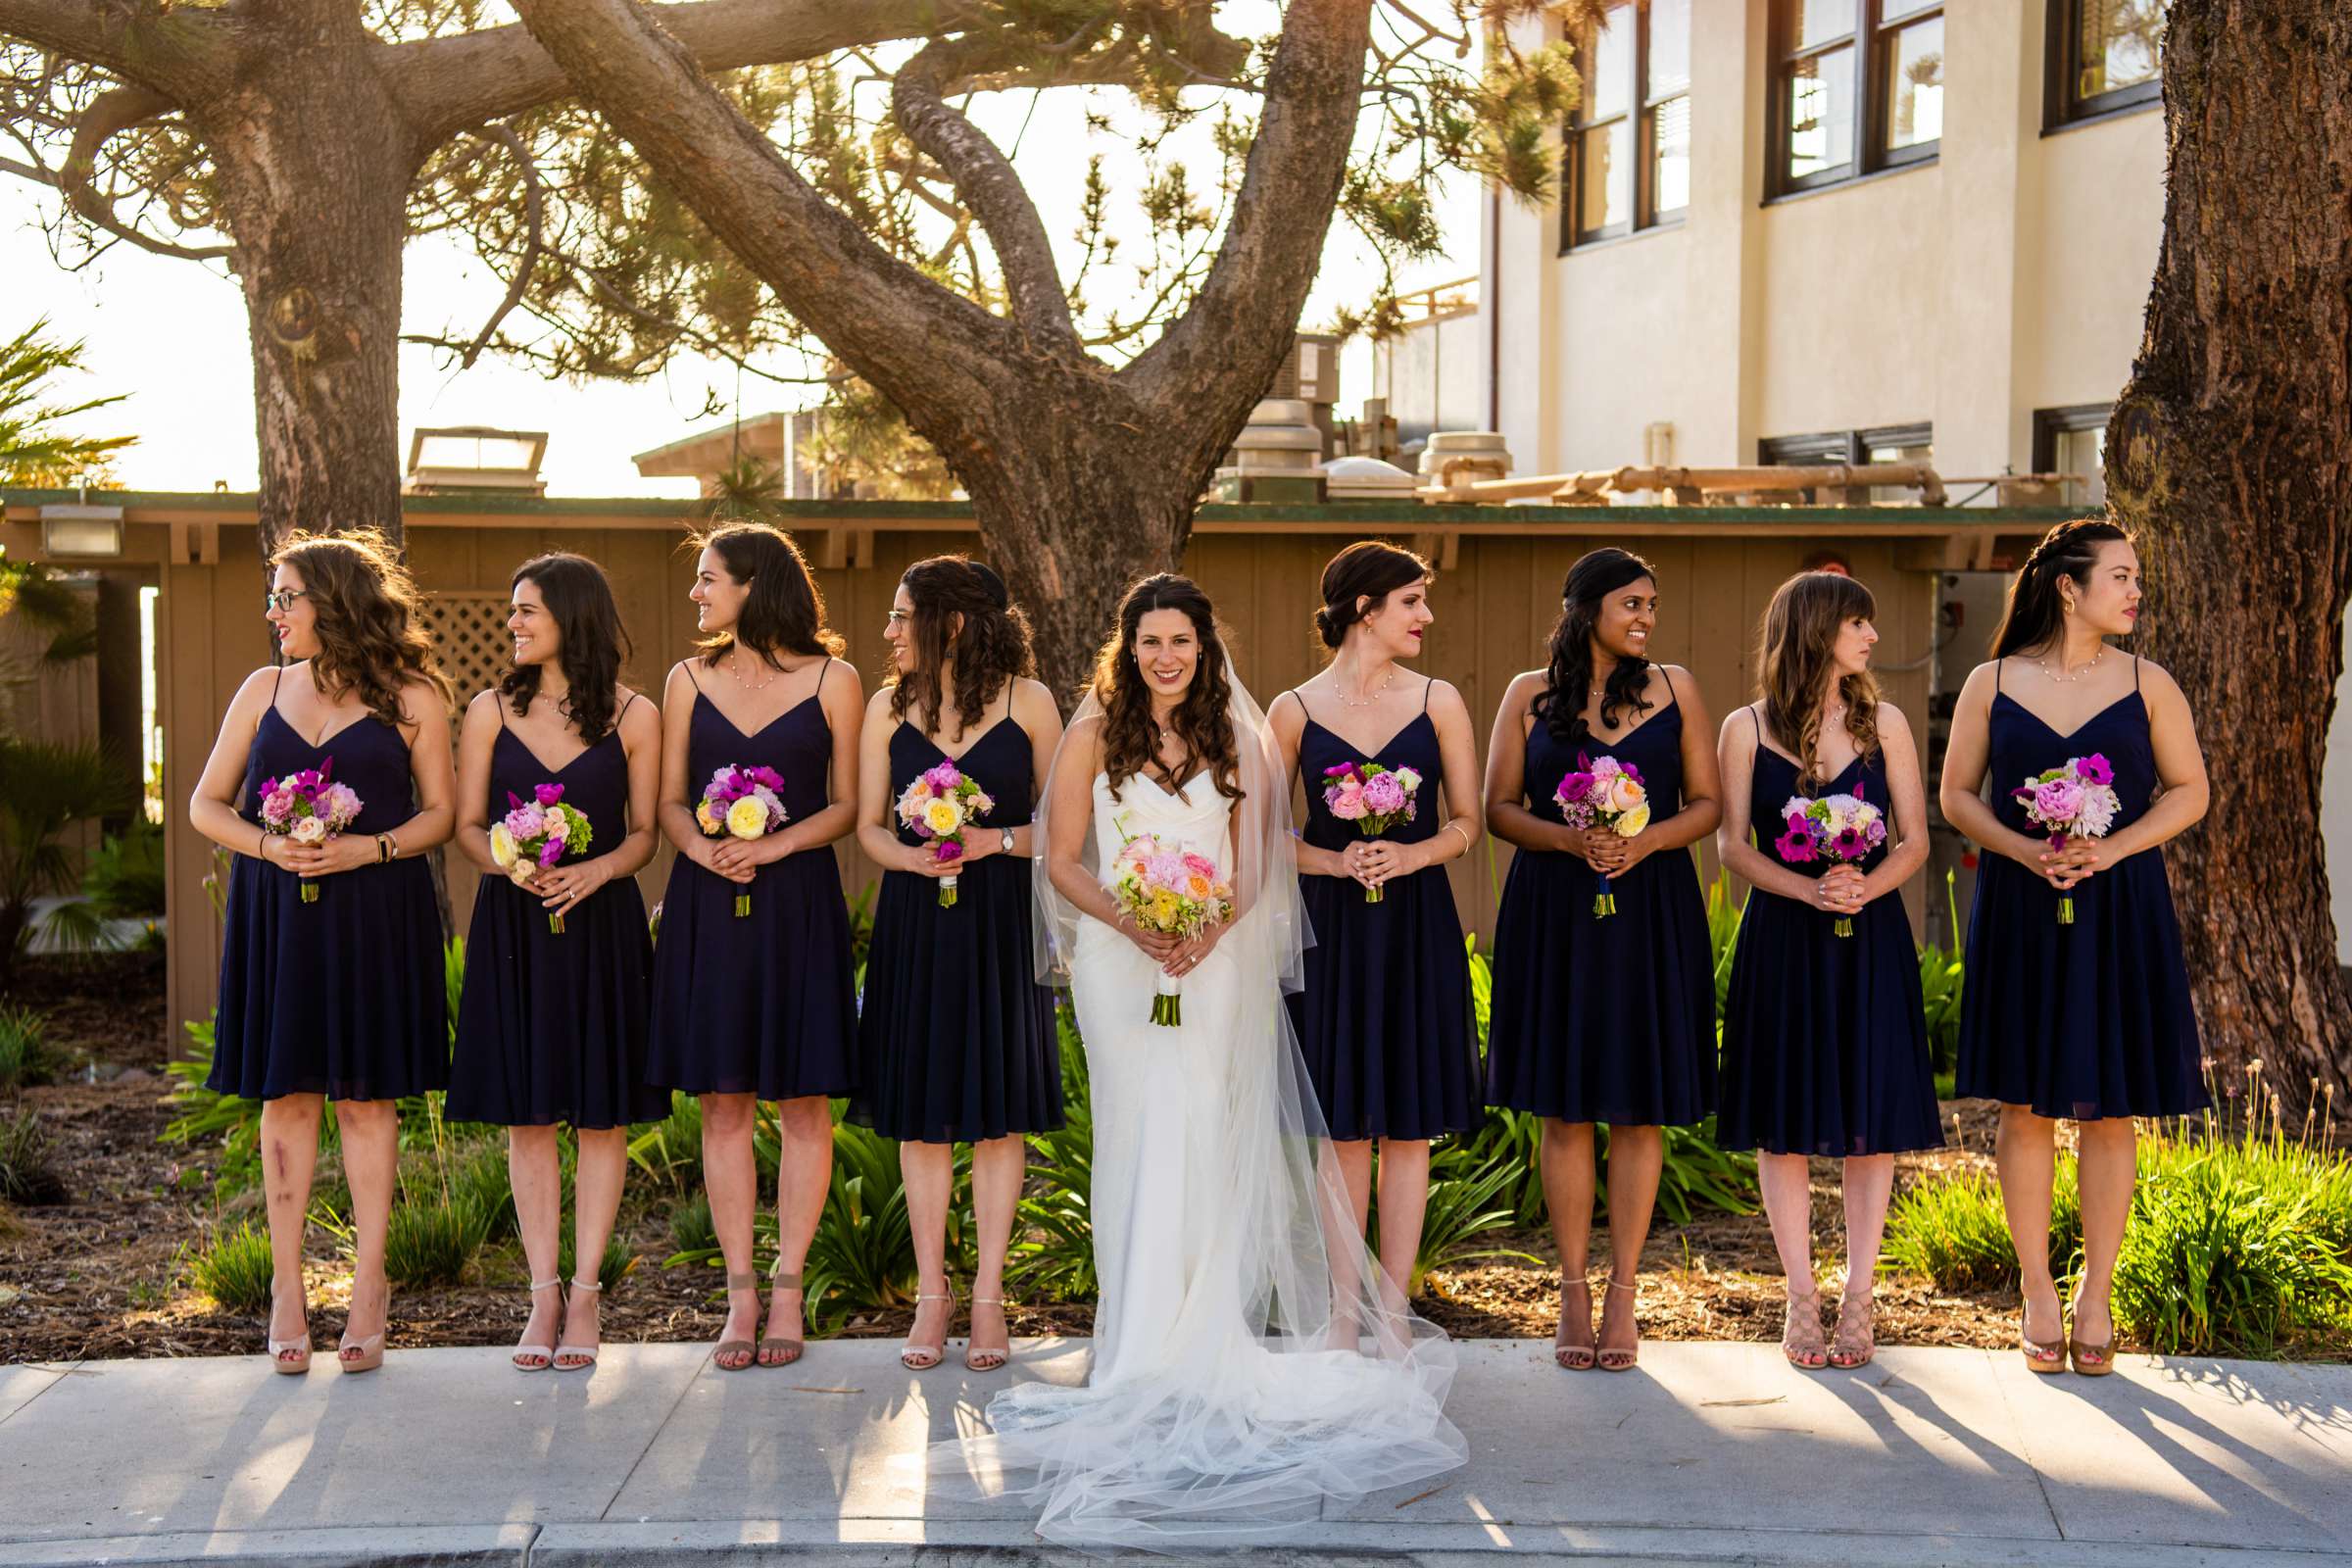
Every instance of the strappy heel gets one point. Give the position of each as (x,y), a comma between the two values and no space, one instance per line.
(288,1357)
(1573,1357)
(583,1356)
(545,1352)
(979,1360)
(785,1351)
(923,1358)
(1855,1343)
(744,1349)
(1801,1332)
(1624,1360)
(2045,1356)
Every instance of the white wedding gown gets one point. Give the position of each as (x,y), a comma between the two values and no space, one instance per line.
(1213,1411)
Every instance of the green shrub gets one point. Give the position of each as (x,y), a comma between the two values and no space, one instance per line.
(26,1056)
(617,1263)
(2221,1259)
(1941,975)
(1470,1196)
(478,1175)
(1722,938)
(1054,1240)
(234,1268)
(25,1175)
(434,1242)
(670,1150)
(690,1229)
(124,875)
(1953,1230)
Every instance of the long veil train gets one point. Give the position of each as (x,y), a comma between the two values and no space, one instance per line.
(1216,1407)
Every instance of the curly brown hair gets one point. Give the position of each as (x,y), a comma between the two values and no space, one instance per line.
(783,612)
(371,636)
(989,650)
(1793,668)
(1130,739)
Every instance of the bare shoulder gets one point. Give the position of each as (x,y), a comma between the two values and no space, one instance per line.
(1977,691)
(1738,730)
(2154,677)
(420,700)
(1890,720)
(483,709)
(843,671)
(1685,687)
(877,706)
(1525,687)
(1446,702)
(679,680)
(1032,699)
(636,718)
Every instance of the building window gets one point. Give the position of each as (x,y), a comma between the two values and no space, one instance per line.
(2073,441)
(1891,443)
(1858,88)
(1629,145)
(2104,56)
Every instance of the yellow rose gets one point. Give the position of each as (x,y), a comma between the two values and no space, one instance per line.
(746,818)
(501,845)
(943,816)
(1634,822)
(707,822)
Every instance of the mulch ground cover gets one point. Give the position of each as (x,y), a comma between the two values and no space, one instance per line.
(102,1274)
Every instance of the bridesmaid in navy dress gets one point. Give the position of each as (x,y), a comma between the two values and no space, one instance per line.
(1602,1019)
(760,1005)
(339,999)
(1384,1018)
(955,1036)
(2090,1021)
(552,1026)
(1824,1040)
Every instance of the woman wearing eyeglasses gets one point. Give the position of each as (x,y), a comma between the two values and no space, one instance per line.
(330,960)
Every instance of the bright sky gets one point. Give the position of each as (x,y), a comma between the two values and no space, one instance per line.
(173,333)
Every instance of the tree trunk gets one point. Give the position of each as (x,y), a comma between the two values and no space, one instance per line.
(318,218)
(2230,455)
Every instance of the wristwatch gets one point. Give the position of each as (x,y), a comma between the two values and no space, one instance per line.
(1007,846)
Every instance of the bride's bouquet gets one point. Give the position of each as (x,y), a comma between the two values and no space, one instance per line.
(1174,891)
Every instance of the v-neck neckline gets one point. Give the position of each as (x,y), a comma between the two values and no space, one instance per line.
(321,744)
(1377,752)
(2068,735)
(751,734)
(552,770)
(970,747)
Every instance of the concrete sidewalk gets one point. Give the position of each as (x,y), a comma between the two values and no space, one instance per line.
(1707,1453)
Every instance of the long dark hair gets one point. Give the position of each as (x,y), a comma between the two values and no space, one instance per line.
(1369,569)
(2034,614)
(1130,739)
(990,650)
(783,613)
(592,642)
(1794,665)
(1560,705)
(371,636)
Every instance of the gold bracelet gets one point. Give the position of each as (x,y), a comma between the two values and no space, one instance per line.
(1464,832)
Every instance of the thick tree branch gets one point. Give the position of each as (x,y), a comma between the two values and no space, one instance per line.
(184,55)
(985,178)
(1249,306)
(930,351)
(110,113)
(449,86)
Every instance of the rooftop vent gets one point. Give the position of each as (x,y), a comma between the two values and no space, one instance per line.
(467,459)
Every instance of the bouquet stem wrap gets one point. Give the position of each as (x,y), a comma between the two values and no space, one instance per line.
(1605,902)
(1167,1002)
(947,892)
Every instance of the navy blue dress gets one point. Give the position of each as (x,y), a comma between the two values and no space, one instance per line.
(552,1028)
(1604,1020)
(955,1038)
(765,1004)
(344,997)
(1825,1038)
(1384,1017)
(2090,1019)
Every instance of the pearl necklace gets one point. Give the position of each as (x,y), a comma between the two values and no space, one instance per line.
(735,669)
(2043,665)
(1369,698)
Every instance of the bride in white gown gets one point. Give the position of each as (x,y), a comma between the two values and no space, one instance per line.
(1248,1360)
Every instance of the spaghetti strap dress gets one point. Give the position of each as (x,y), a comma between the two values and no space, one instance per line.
(957,1039)
(342,996)
(1384,1016)
(763,1004)
(552,1026)
(1603,1019)
(2090,1019)
(1825,1038)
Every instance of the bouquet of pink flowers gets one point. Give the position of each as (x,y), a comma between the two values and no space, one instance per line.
(1172,890)
(2077,801)
(939,805)
(741,802)
(536,834)
(310,809)
(1603,794)
(1372,796)
(1843,828)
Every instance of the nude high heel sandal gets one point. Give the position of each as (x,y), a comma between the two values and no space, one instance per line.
(582,1356)
(923,1358)
(546,1353)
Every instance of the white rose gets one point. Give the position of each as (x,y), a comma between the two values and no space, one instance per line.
(501,845)
(310,830)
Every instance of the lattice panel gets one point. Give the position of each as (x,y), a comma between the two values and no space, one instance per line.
(470,629)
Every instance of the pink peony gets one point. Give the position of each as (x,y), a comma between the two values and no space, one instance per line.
(1348,804)
(2058,801)
(1384,795)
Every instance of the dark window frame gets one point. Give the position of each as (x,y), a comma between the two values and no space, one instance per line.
(2052,423)
(1842,446)
(1876,24)
(1640,116)
(2062,107)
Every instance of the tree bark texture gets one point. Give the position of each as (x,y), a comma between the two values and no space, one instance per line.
(2231,456)
(1082,477)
